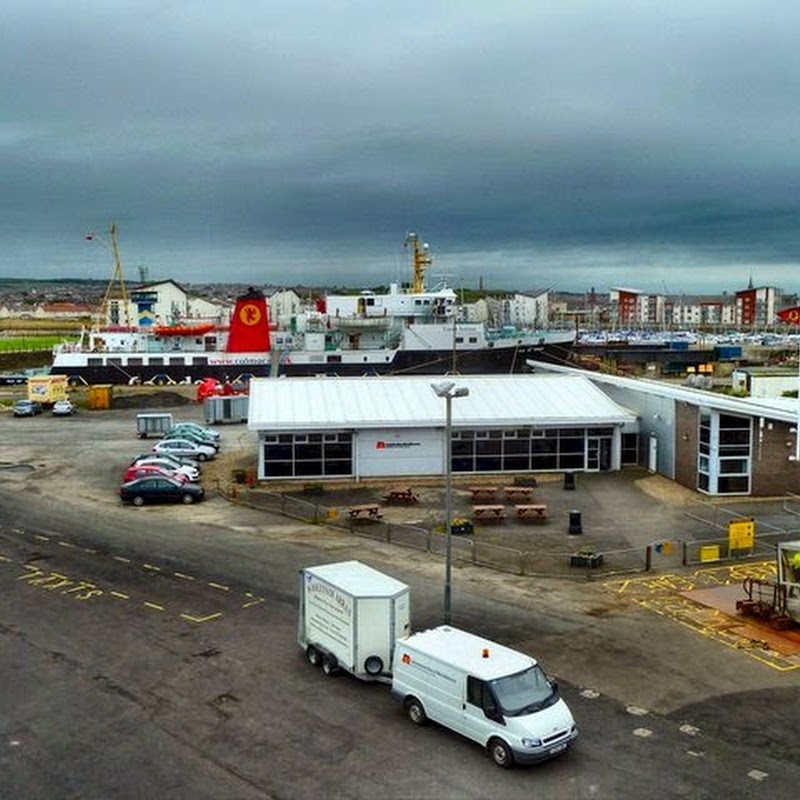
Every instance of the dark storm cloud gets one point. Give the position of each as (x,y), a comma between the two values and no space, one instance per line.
(564,143)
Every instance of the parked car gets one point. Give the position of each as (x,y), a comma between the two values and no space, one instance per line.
(64,408)
(168,464)
(185,448)
(193,436)
(202,430)
(152,471)
(160,489)
(27,408)
(175,461)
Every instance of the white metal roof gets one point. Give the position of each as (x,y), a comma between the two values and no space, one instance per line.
(784,409)
(404,402)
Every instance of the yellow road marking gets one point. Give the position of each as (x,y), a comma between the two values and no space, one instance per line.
(122,559)
(121,595)
(66,544)
(154,606)
(182,576)
(190,618)
(41,537)
(662,595)
(219,586)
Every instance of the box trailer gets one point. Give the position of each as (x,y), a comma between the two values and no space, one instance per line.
(155,424)
(350,617)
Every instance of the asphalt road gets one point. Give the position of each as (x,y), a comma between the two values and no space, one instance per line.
(151,653)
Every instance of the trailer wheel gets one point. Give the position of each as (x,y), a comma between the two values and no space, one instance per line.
(501,753)
(373,665)
(312,656)
(329,665)
(415,711)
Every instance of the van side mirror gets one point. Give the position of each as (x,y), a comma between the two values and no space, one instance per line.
(492,712)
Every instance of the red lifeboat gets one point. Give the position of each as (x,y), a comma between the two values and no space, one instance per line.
(183,330)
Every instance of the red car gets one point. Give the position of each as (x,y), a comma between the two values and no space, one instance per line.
(151,471)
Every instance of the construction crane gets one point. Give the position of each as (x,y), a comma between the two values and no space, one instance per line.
(421,260)
(116,289)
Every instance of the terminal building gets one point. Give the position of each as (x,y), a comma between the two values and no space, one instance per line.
(381,427)
(559,419)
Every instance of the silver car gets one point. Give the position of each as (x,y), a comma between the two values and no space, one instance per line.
(185,449)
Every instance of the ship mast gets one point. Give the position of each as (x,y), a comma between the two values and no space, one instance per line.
(421,259)
(117,279)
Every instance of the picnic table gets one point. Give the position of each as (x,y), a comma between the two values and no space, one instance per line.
(368,511)
(517,494)
(406,496)
(531,512)
(489,513)
(483,494)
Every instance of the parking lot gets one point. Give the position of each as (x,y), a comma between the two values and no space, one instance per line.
(163,638)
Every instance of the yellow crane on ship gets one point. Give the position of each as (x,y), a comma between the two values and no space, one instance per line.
(116,288)
(421,258)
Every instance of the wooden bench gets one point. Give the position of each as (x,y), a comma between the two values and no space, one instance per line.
(483,494)
(518,494)
(401,496)
(368,512)
(491,513)
(531,512)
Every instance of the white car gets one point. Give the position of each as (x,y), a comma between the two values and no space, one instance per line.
(185,449)
(63,408)
(192,473)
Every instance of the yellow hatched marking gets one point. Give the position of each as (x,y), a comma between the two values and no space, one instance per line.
(662,595)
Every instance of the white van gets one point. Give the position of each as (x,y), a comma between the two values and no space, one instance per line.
(489,693)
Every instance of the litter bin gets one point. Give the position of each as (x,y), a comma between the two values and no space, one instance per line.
(569,481)
(575,525)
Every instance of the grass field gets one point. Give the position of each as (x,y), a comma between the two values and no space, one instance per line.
(30,343)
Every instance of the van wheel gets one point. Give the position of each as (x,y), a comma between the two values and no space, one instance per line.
(312,656)
(501,753)
(329,665)
(415,711)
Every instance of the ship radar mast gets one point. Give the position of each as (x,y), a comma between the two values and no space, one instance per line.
(421,258)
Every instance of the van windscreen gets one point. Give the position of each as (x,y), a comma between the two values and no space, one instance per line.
(524,692)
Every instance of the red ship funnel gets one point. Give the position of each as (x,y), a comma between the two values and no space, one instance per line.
(249,324)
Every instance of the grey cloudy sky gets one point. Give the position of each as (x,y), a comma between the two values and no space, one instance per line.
(567,144)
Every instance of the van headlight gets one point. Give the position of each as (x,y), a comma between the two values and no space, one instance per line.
(531,742)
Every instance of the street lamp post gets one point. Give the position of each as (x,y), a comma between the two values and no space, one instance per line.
(448,390)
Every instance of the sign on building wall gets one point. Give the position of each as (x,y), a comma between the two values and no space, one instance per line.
(400,452)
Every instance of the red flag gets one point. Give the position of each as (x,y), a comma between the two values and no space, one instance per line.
(790,315)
